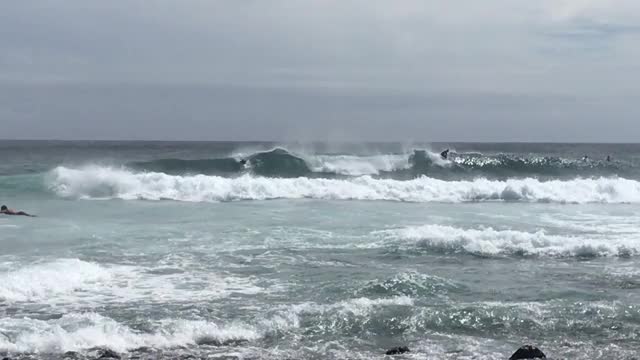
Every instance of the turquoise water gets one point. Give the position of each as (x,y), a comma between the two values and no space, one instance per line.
(364,252)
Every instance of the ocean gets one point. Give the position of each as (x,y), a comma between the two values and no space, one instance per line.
(230,250)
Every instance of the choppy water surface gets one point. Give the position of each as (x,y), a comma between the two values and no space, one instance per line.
(312,252)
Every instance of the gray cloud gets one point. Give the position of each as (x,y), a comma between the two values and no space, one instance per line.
(355,69)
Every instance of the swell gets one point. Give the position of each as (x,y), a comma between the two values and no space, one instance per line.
(96,182)
(11,185)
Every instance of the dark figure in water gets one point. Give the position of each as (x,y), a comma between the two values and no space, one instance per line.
(608,157)
(585,158)
(5,210)
(444,154)
(243,161)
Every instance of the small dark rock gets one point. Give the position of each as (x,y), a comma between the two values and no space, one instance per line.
(108,354)
(215,342)
(528,352)
(397,350)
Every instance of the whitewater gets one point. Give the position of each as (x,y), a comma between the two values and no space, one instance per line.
(105,182)
(175,250)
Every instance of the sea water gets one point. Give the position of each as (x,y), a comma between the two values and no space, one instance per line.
(319,251)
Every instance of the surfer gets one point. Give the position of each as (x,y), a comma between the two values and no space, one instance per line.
(585,158)
(444,154)
(5,210)
(608,157)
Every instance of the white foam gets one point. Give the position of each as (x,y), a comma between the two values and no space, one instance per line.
(72,282)
(46,280)
(96,182)
(81,331)
(488,241)
(74,332)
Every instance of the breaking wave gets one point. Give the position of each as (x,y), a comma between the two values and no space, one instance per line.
(489,242)
(352,165)
(81,331)
(280,162)
(46,280)
(96,182)
(87,330)
(73,281)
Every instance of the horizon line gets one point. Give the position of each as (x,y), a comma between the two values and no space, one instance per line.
(328,142)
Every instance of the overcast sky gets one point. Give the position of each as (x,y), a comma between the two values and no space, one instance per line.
(468,70)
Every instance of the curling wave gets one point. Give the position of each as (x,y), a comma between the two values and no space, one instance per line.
(95,182)
(277,162)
